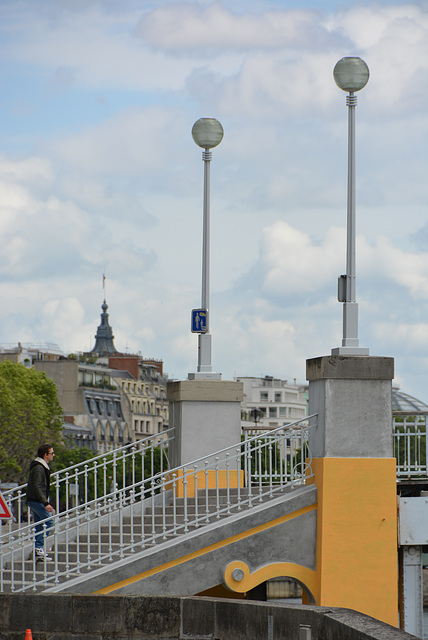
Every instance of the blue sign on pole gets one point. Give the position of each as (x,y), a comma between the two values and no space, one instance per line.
(199,320)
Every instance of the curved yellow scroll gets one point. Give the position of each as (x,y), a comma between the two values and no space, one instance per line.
(237,576)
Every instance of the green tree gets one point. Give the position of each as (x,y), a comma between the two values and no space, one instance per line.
(67,457)
(30,414)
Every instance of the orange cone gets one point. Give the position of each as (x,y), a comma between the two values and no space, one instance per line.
(28,635)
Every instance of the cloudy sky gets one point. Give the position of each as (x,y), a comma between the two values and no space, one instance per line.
(99,172)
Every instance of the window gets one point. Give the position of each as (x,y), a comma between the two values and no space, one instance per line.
(295,411)
(282,411)
(272,412)
(264,395)
(290,396)
(263,411)
(278,397)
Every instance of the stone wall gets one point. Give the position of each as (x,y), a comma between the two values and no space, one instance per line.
(87,617)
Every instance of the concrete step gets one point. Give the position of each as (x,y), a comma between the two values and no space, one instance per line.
(114,538)
(110,540)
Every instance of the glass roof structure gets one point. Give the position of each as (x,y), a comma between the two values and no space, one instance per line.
(407,404)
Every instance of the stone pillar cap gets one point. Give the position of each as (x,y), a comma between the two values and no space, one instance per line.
(350,368)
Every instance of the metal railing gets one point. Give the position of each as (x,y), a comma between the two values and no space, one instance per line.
(411,445)
(152,510)
(95,478)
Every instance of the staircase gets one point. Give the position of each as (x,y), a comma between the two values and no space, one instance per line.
(146,516)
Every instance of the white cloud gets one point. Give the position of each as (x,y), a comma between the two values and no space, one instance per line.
(134,142)
(186,26)
(413,335)
(390,263)
(87,47)
(370,25)
(394,42)
(292,263)
(32,170)
(101,171)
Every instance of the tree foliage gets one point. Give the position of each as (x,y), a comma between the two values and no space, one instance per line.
(30,415)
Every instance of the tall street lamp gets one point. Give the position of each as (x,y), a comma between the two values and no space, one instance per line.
(351,75)
(207,133)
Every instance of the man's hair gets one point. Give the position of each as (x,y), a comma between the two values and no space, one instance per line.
(43,449)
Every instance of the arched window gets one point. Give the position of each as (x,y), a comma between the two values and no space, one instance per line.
(101,433)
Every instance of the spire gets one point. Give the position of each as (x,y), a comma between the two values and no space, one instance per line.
(104,336)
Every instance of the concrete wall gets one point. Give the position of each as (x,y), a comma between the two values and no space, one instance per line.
(273,534)
(64,373)
(79,617)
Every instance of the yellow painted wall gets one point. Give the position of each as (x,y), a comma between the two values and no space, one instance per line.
(357,535)
(211,478)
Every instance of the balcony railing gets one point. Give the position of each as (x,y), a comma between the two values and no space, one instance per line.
(411,445)
(91,479)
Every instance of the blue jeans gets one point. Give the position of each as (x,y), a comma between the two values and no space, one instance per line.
(40,513)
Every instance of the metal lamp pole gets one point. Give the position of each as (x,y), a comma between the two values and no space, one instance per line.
(207,133)
(350,74)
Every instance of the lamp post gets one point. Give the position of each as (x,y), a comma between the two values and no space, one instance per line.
(207,133)
(351,75)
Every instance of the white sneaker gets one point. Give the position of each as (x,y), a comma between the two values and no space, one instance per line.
(41,555)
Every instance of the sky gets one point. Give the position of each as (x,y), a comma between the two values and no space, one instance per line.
(99,174)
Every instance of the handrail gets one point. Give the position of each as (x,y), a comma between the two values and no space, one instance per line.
(165,505)
(81,482)
(411,445)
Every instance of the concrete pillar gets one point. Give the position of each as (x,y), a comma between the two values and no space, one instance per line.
(355,474)
(206,415)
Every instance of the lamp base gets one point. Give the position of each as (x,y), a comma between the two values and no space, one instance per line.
(204,375)
(350,351)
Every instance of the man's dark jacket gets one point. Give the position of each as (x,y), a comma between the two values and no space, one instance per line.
(38,483)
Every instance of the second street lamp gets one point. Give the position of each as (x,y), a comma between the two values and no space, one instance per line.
(207,133)
(350,74)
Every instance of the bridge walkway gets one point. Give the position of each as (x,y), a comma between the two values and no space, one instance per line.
(179,530)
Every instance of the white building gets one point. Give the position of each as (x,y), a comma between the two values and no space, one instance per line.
(279,402)
(27,353)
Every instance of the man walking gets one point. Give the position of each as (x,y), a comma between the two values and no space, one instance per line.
(38,496)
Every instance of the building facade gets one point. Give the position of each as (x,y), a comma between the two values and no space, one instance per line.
(27,353)
(143,393)
(271,402)
(91,401)
(108,398)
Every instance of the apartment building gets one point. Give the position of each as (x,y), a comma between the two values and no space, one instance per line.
(277,402)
